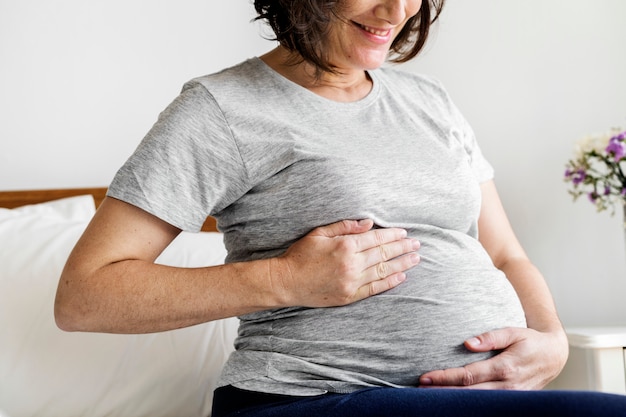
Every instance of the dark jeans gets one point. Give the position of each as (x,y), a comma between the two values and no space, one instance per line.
(412,402)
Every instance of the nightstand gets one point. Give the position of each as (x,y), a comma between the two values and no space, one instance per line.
(597,360)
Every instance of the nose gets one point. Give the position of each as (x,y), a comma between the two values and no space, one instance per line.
(397,11)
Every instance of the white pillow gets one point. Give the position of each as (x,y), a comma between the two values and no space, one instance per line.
(77,208)
(45,371)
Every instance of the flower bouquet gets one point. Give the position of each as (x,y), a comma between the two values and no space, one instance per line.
(598,169)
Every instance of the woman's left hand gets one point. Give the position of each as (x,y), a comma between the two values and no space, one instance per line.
(529,360)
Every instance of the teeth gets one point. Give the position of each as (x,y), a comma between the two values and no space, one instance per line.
(375,31)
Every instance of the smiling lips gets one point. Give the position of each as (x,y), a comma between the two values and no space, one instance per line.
(373,31)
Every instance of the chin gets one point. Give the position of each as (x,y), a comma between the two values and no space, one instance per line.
(373,61)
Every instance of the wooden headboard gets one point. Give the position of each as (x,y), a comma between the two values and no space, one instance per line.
(12,199)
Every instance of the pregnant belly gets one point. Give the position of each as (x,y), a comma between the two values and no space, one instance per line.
(396,336)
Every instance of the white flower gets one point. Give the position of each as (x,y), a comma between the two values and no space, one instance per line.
(597,142)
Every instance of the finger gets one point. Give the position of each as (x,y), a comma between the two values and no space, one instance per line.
(504,370)
(491,385)
(342,228)
(467,376)
(380,286)
(378,237)
(389,251)
(494,340)
(386,275)
(382,270)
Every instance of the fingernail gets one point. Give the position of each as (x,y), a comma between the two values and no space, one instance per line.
(474,341)
(426,381)
(415,258)
(416,244)
(401,277)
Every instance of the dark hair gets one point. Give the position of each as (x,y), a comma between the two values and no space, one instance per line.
(302,26)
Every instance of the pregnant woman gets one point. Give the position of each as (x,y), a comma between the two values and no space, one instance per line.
(328,175)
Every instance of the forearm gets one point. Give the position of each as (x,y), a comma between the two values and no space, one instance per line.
(534,294)
(498,238)
(136,296)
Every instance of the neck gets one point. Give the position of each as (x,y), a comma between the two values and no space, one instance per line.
(344,86)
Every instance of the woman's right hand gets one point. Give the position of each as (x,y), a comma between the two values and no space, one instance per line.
(343,262)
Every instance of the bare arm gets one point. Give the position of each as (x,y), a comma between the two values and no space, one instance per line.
(532,357)
(498,238)
(111,284)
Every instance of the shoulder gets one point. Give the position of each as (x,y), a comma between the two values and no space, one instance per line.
(413,80)
(414,87)
(238,90)
(243,77)
(207,98)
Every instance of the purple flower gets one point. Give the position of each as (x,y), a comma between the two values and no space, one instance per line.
(593,196)
(616,148)
(577,176)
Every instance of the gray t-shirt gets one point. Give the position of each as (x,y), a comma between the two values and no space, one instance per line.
(272,160)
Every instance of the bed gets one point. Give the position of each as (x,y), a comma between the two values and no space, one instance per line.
(47,372)
(12,199)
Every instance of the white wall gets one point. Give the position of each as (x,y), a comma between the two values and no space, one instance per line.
(81,82)
(533,77)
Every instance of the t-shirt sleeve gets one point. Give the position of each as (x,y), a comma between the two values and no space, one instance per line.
(463,132)
(188,165)
(481,167)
